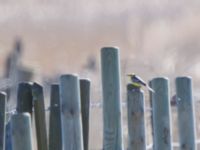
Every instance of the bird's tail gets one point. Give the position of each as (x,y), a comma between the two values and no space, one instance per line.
(150,89)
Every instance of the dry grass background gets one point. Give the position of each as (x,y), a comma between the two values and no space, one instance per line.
(156,38)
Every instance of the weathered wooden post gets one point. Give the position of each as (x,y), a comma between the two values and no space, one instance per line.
(161,114)
(85,110)
(55,133)
(21,131)
(112,132)
(186,115)
(3,100)
(151,113)
(71,113)
(136,118)
(40,120)
(8,140)
(24,98)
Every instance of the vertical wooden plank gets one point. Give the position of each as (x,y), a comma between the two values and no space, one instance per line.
(24,98)
(3,100)
(21,132)
(8,140)
(71,112)
(161,114)
(186,115)
(85,110)
(151,115)
(40,120)
(136,119)
(55,133)
(112,132)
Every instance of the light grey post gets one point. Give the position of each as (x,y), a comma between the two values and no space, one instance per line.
(71,113)
(55,133)
(161,114)
(186,116)
(3,100)
(112,131)
(21,131)
(85,110)
(136,119)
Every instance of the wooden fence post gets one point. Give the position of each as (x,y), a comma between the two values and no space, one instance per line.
(186,115)
(24,98)
(21,131)
(136,119)
(71,112)
(3,100)
(151,113)
(112,132)
(161,114)
(8,140)
(40,120)
(55,133)
(85,110)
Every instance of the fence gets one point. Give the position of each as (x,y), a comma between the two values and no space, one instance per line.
(70,111)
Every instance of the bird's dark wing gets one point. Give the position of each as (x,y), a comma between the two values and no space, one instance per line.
(137,79)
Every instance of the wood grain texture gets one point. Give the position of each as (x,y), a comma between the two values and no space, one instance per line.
(21,132)
(55,133)
(85,110)
(151,113)
(71,113)
(136,119)
(40,119)
(3,101)
(110,67)
(161,114)
(24,98)
(186,115)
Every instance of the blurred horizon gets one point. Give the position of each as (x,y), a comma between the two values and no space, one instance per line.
(63,29)
(156,38)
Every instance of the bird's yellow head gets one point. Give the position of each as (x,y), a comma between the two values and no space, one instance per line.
(131,74)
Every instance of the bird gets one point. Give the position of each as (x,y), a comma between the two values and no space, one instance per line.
(138,82)
(175,100)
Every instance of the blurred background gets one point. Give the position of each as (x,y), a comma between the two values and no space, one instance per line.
(41,39)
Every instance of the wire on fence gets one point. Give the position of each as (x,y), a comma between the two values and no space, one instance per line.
(99,105)
(92,105)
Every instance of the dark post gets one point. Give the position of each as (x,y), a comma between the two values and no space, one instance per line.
(55,133)
(151,113)
(85,110)
(24,98)
(40,120)
(2,119)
